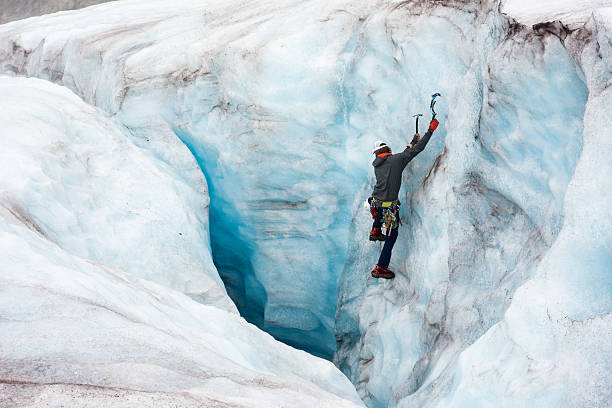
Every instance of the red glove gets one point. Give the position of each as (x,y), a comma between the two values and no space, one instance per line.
(433,125)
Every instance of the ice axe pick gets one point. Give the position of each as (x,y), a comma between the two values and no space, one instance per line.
(432,104)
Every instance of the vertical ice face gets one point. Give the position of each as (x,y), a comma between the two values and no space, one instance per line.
(272,149)
(277,149)
(479,222)
(553,346)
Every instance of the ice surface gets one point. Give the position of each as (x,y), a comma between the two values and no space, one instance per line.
(568,304)
(280,196)
(573,13)
(75,178)
(479,222)
(73,324)
(503,283)
(18,9)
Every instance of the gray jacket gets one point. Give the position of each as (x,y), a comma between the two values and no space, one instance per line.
(389,167)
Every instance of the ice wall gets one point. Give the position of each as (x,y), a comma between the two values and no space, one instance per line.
(478,226)
(78,330)
(553,347)
(282,160)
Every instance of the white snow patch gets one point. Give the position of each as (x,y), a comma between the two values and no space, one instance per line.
(573,13)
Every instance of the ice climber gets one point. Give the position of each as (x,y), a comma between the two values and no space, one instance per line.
(384,204)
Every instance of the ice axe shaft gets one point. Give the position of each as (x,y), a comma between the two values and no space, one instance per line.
(417,121)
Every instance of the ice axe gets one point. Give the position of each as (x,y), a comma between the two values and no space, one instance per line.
(417,121)
(432,104)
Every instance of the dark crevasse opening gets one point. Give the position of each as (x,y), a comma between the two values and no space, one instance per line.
(231,251)
(231,255)
(232,247)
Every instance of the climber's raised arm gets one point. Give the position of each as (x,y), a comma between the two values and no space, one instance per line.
(416,146)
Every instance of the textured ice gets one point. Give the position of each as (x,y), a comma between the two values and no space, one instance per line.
(554,346)
(71,174)
(502,295)
(278,151)
(18,9)
(73,324)
(481,225)
(573,13)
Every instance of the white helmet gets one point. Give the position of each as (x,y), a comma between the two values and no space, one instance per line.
(378,145)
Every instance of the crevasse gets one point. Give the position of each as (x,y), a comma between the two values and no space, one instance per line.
(280,103)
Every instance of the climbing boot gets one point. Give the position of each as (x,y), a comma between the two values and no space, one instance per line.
(379,272)
(377,235)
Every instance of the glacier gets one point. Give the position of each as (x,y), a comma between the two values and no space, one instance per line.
(19,9)
(262,114)
(74,178)
(98,301)
(271,282)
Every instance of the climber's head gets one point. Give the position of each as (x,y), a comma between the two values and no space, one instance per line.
(381,147)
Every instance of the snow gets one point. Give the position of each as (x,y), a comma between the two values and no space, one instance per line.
(74,324)
(94,329)
(19,9)
(573,13)
(76,179)
(502,295)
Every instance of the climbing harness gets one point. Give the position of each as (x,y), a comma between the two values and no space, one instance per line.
(433,104)
(388,211)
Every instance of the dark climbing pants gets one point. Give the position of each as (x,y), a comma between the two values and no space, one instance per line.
(385,255)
